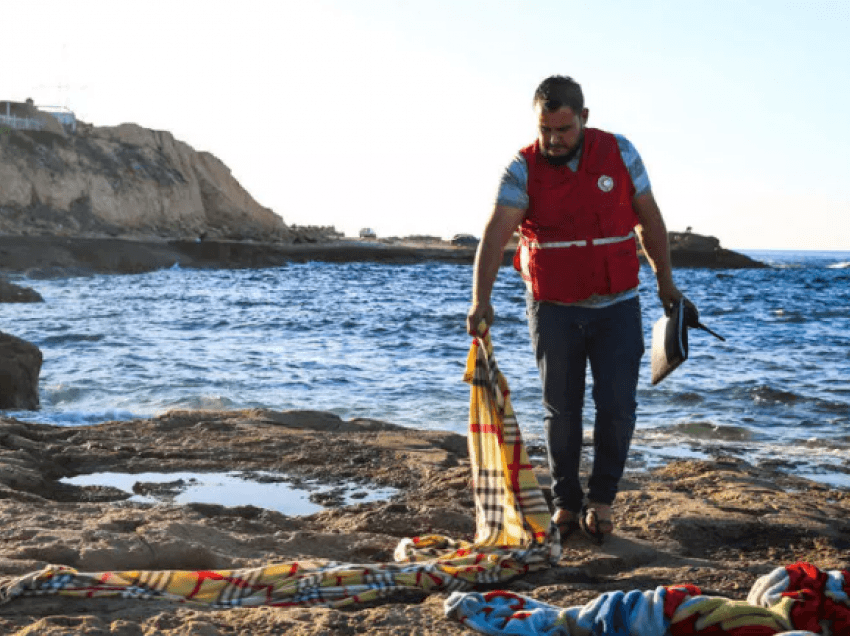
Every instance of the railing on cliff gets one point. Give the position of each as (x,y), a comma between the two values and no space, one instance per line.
(63,115)
(21,123)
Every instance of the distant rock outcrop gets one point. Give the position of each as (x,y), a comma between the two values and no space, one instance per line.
(696,250)
(129,182)
(20,366)
(11,293)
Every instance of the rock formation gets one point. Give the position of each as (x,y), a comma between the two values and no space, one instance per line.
(128,199)
(125,181)
(11,293)
(20,366)
(696,250)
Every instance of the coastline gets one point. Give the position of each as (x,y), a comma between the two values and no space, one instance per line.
(41,256)
(718,524)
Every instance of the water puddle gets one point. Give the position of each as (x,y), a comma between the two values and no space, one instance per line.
(261,489)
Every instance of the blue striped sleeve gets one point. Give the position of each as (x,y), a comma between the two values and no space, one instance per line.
(513,188)
(634,164)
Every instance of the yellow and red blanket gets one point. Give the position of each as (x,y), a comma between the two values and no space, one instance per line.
(512,535)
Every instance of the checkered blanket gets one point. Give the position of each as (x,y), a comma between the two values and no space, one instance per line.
(796,600)
(513,535)
(509,505)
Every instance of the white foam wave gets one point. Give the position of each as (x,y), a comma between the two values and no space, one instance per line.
(74,418)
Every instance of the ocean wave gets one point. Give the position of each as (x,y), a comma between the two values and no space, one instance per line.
(764,393)
(783,315)
(842,265)
(651,457)
(688,397)
(71,338)
(826,447)
(63,394)
(834,407)
(825,476)
(712,431)
(75,418)
(205,402)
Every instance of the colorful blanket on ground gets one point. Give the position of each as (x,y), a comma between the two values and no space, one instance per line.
(513,535)
(796,600)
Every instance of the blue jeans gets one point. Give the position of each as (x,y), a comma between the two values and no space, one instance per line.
(564,340)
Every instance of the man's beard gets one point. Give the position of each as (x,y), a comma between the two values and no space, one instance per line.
(563,160)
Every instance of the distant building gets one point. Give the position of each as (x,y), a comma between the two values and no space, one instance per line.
(464,240)
(63,115)
(28,116)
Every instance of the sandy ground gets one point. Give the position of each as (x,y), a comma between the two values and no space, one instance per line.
(718,524)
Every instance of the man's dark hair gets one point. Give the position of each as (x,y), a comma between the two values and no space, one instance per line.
(558,91)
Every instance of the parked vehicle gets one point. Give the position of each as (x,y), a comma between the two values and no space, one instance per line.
(368,232)
(464,240)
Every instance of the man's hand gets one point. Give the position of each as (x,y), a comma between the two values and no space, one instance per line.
(477,313)
(668,293)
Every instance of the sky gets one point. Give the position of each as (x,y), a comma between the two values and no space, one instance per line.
(401,115)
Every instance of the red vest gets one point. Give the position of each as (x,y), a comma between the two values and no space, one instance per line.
(578,232)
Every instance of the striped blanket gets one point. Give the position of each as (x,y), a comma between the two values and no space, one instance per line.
(797,600)
(513,535)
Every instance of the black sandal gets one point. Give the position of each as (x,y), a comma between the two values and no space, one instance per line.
(568,525)
(594,527)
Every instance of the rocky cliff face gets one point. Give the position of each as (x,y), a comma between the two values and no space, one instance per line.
(124,181)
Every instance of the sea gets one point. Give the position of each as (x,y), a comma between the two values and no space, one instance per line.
(388,342)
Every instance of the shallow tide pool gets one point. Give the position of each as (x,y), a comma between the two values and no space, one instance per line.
(263,490)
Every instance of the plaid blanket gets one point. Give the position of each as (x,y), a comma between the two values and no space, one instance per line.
(796,600)
(513,535)
(509,505)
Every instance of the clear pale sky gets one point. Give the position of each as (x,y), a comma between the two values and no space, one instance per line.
(400,115)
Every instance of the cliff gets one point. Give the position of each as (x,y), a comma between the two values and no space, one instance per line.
(127,199)
(128,182)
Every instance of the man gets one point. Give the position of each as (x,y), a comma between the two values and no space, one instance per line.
(578,195)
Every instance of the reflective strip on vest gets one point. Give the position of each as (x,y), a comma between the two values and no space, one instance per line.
(600,241)
(526,246)
(539,246)
(614,239)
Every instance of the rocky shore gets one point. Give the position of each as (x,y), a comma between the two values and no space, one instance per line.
(128,199)
(718,524)
(49,255)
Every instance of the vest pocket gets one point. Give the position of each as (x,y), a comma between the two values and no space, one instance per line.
(622,267)
(561,274)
